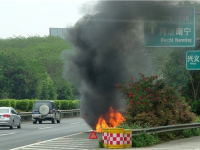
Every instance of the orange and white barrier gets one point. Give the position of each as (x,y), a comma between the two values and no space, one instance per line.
(127,138)
(105,137)
(117,138)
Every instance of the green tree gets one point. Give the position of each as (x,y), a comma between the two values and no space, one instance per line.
(43,53)
(21,78)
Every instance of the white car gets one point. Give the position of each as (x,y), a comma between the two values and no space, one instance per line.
(9,118)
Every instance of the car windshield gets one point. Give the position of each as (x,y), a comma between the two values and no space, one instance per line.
(4,110)
(39,104)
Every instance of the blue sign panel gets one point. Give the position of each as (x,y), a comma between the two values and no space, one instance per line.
(193,60)
(174,28)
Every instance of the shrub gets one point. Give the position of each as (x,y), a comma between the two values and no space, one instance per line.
(195,106)
(170,135)
(64,104)
(69,103)
(128,126)
(144,139)
(151,101)
(27,105)
(13,103)
(196,132)
(101,143)
(75,104)
(4,103)
(31,103)
(57,103)
(187,133)
(22,105)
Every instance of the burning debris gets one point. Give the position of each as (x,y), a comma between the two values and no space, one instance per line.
(107,49)
(115,118)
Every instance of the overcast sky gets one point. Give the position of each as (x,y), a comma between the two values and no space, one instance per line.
(35,17)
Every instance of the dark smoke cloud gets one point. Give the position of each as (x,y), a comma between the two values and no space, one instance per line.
(107,49)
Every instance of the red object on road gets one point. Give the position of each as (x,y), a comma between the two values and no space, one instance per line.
(93,135)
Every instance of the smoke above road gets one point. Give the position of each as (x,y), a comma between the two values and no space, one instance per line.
(108,49)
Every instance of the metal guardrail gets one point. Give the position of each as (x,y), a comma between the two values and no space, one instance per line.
(76,112)
(166,128)
(65,113)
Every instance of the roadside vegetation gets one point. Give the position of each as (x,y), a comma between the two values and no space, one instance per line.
(31,68)
(151,102)
(143,139)
(26,105)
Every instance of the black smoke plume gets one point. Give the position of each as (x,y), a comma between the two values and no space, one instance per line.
(107,49)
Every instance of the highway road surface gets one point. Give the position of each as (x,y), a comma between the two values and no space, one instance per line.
(33,133)
(71,134)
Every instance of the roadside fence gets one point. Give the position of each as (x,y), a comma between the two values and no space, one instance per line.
(27,116)
(166,128)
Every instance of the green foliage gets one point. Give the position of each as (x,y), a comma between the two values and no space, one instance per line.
(57,102)
(171,135)
(65,91)
(195,105)
(30,105)
(129,126)
(12,103)
(22,105)
(4,103)
(144,139)
(198,119)
(31,68)
(69,104)
(150,101)
(188,80)
(75,104)
(101,143)
(176,74)
(187,133)
(22,78)
(191,132)
(64,105)
(196,131)
(26,105)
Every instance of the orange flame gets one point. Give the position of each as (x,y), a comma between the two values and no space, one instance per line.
(115,119)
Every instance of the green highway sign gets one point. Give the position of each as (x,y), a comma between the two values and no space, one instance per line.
(174,28)
(193,60)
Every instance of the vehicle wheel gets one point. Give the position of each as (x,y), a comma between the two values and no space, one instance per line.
(52,120)
(44,110)
(34,121)
(58,121)
(19,126)
(12,125)
(40,121)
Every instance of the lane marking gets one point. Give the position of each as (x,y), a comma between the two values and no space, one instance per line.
(7,134)
(26,146)
(75,123)
(46,128)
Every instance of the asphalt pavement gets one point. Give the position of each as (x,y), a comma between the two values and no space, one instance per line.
(192,143)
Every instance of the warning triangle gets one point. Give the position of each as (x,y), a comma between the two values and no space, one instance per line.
(93,136)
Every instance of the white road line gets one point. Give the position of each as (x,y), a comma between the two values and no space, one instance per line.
(46,128)
(7,134)
(75,123)
(44,141)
